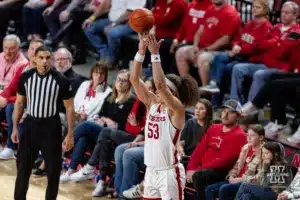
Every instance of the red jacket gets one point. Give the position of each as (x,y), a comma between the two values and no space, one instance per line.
(295,58)
(219,22)
(279,48)
(252,33)
(218,150)
(137,129)
(10,92)
(168,17)
(192,19)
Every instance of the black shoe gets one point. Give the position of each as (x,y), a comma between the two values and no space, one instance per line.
(39,173)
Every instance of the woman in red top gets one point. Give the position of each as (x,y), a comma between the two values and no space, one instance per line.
(245,168)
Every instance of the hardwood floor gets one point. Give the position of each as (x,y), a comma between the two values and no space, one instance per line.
(37,187)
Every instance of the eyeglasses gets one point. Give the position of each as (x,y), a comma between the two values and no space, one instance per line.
(62,59)
(121,80)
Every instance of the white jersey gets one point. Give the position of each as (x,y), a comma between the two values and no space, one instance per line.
(161,138)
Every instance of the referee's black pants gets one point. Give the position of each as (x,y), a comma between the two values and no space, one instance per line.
(39,135)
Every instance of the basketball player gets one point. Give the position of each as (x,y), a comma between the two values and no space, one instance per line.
(165,176)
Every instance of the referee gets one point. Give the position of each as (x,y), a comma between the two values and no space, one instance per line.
(41,89)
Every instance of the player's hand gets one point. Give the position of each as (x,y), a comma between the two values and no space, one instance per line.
(68,143)
(153,45)
(48,11)
(143,42)
(132,120)
(282,196)
(64,16)
(3,102)
(189,176)
(173,46)
(15,136)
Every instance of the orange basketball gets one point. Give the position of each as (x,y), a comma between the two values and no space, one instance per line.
(141,20)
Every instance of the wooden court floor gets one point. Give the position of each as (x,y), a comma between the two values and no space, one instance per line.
(37,187)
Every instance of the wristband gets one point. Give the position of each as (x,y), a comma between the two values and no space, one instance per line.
(138,57)
(155,58)
(92,18)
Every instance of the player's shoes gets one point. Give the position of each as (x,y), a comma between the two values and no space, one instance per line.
(133,193)
(85,173)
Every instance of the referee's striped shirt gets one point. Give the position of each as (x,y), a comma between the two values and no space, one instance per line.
(44,93)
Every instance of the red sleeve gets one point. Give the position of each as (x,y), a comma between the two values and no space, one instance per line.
(229,154)
(237,39)
(135,130)
(11,89)
(270,40)
(195,161)
(176,12)
(180,35)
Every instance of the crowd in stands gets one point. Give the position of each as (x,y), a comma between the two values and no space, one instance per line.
(257,61)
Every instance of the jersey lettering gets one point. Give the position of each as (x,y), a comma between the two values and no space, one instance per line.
(153,131)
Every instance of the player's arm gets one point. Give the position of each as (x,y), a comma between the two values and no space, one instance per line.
(70,113)
(140,89)
(172,102)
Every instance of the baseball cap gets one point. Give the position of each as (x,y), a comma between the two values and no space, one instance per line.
(233,105)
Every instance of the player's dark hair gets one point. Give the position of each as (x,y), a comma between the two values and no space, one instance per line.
(150,79)
(187,87)
(42,48)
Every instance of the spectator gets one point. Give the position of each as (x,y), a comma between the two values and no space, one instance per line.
(292,192)
(277,56)
(33,19)
(195,128)
(215,154)
(9,10)
(245,168)
(112,28)
(8,98)
(114,113)
(267,189)
(192,19)
(220,24)
(168,16)
(244,45)
(92,93)
(11,59)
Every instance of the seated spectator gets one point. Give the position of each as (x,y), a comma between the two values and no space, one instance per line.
(91,94)
(108,140)
(9,10)
(113,114)
(195,128)
(8,98)
(193,17)
(245,168)
(32,18)
(112,28)
(215,155)
(278,50)
(220,24)
(168,16)
(244,46)
(292,192)
(267,188)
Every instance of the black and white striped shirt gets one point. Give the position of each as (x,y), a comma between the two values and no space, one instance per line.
(44,93)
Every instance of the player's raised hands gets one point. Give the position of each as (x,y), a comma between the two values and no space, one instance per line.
(143,42)
(153,45)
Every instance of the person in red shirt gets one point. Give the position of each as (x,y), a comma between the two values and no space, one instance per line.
(220,24)
(216,154)
(168,16)
(244,46)
(8,98)
(192,19)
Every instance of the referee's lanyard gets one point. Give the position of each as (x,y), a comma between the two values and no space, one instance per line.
(6,71)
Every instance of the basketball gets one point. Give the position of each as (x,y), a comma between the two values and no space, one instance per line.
(141,20)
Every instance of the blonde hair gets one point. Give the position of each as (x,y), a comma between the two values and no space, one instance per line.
(265,4)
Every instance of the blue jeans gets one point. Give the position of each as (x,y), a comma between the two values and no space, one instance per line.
(224,189)
(107,50)
(9,115)
(259,79)
(128,163)
(239,71)
(256,192)
(85,135)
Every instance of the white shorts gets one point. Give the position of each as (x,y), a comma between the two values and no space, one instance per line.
(165,184)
